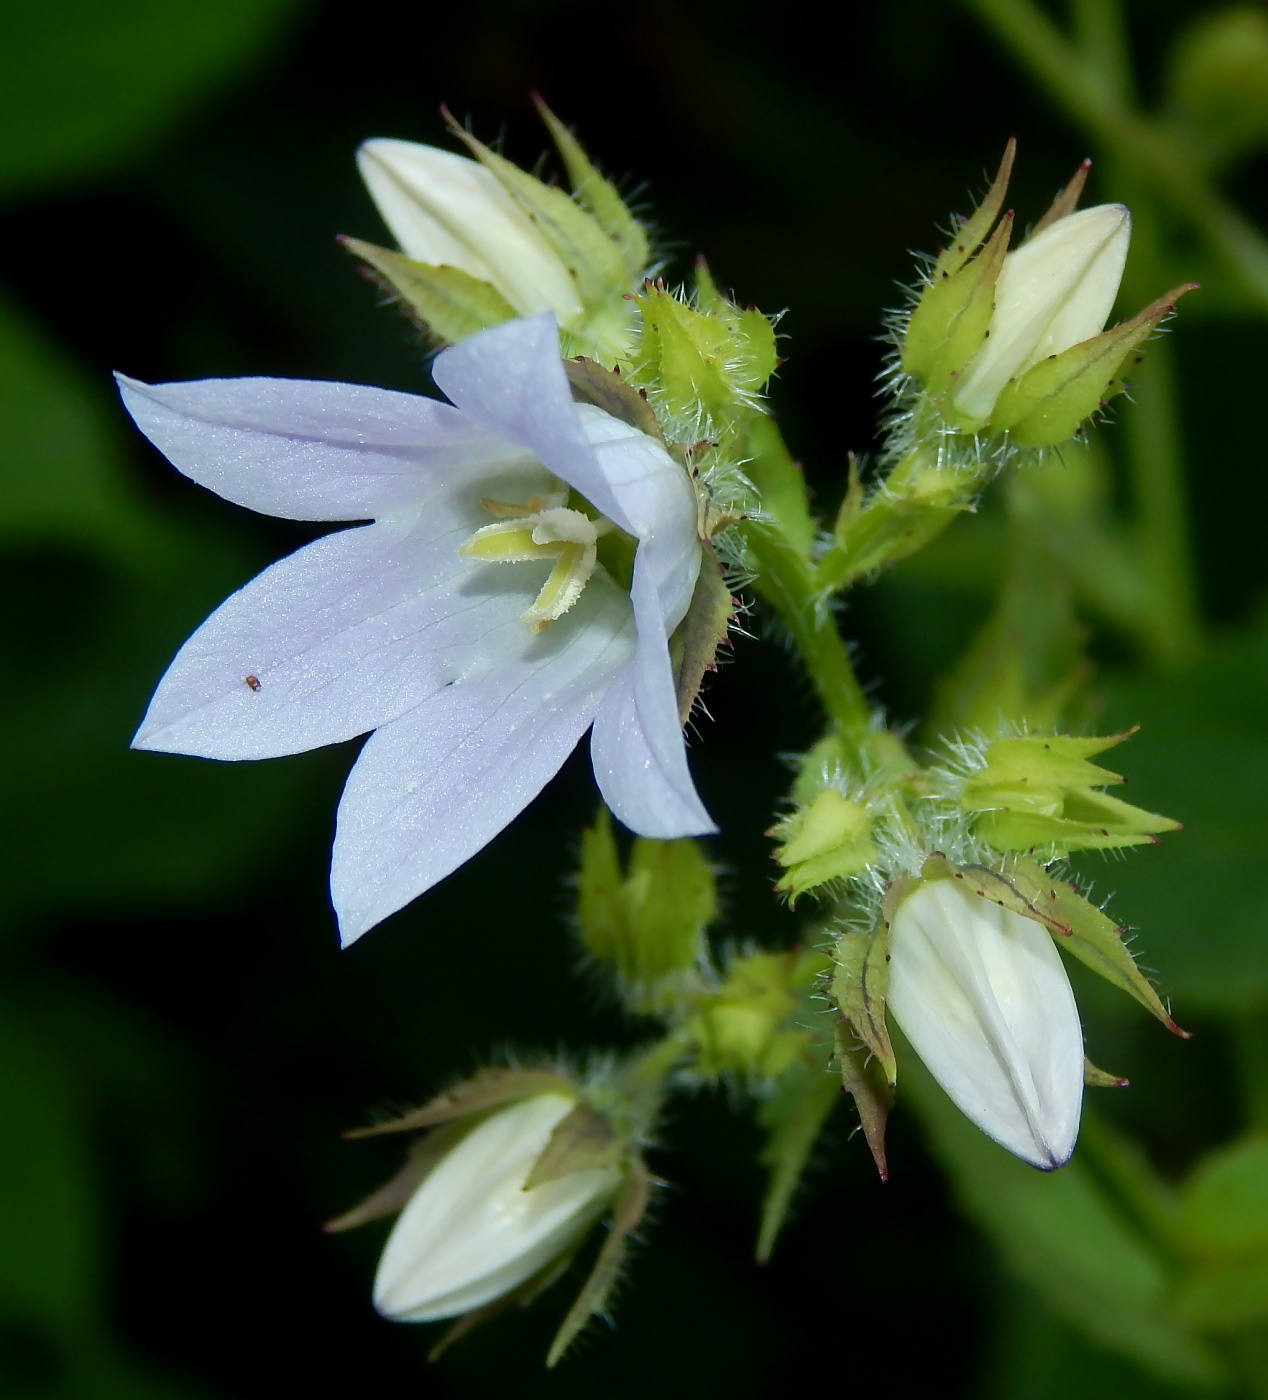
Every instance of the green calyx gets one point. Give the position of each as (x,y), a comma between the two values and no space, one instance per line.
(1036,791)
(646,924)
(600,243)
(826,840)
(1030,889)
(703,366)
(744,1027)
(1052,399)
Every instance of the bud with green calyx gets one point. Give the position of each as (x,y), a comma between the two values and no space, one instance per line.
(749,1025)
(481,241)
(646,925)
(703,365)
(515,1169)
(959,957)
(827,837)
(1039,792)
(1011,342)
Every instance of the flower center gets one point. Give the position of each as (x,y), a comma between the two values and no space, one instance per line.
(542,528)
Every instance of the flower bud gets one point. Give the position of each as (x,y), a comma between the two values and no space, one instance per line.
(823,842)
(475,1229)
(447,210)
(981,993)
(1053,292)
(1039,792)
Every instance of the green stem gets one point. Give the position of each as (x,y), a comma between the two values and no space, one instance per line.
(1088,90)
(1162,513)
(786,580)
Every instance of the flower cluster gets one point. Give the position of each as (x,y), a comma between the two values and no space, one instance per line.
(544,556)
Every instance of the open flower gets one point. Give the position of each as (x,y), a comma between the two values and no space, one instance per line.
(471,626)
(472,1232)
(983,997)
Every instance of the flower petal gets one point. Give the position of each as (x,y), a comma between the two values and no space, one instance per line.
(309,450)
(434,786)
(345,635)
(511,381)
(445,208)
(983,997)
(640,760)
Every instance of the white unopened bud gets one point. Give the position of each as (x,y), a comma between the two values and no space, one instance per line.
(445,209)
(1053,292)
(983,997)
(471,1232)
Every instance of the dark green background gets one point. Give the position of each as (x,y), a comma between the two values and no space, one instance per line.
(181,1041)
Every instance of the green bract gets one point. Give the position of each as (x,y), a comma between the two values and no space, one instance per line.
(1037,791)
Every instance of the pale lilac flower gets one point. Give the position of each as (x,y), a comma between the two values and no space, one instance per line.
(471,1232)
(983,997)
(395,627)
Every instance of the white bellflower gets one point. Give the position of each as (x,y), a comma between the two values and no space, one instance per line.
(471,1232)
(470,626)
(983,997)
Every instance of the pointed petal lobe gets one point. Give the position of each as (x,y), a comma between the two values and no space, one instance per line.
(309,450)
(436,785)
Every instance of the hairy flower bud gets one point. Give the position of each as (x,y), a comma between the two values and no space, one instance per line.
(981,993)
(445,209)
(475,1230)
(1053,292)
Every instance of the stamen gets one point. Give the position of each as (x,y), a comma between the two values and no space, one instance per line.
(541,529)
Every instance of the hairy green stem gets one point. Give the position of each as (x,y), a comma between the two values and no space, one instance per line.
(786,580)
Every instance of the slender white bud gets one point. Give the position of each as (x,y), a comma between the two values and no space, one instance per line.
(1053,292)
(472,1233)
(983,997)
(445,209)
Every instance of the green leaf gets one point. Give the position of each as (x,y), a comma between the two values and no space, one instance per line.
(1224,1204)
(84,86)
(1060,1233)
(50,1245)
(793,1115)
(109,588)
(1201,904)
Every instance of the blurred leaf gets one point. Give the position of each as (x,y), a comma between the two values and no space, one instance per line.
(1039,1357)
(1219,79)
(1200,898)
(793,1115)
(61,479)
(83,85)
(49,1226)
(1061,1235)
(109,588)
(1224,1206)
